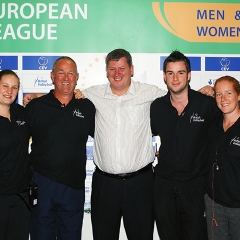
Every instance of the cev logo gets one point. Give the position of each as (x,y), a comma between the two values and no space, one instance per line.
(43,63)
(225,63)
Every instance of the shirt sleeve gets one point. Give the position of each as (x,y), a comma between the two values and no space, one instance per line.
(152,109)
(158,92)
(92,120)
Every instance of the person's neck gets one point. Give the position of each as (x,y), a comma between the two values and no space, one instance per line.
(179,101)
(119,92)
(230,119)
(5,111)
(64,99)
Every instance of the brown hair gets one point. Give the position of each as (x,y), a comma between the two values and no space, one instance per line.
(177,56)
(234,81)
(9,72)
(116,54)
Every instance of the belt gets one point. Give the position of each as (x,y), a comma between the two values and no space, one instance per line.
(125,176)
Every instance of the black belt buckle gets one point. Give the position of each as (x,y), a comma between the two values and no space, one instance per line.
(124,176)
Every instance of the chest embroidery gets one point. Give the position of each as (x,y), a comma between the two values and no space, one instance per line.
(77,113)
(196,118)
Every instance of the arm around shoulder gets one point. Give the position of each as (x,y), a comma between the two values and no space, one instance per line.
(28,97)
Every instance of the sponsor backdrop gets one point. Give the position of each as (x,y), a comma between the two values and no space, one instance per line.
(34,34)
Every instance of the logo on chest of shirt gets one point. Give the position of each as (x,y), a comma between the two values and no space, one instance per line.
(196,118)
(235,141)
(20,123)
(77,113)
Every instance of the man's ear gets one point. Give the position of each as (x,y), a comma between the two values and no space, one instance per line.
(189,76)
(51,76)
(164,78)
(132,70)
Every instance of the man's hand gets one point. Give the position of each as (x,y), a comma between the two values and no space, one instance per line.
(207,90)
(28,97)
(78,94)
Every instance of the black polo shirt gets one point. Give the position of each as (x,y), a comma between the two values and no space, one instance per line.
(59,135)
(15,174)
(225,173)
(183,154)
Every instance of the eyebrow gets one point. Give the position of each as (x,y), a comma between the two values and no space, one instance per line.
(177,71)
(16,85)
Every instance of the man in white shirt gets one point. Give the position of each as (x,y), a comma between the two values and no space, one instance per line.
(122,184)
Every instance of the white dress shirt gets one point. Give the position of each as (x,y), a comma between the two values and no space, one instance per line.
(123,138)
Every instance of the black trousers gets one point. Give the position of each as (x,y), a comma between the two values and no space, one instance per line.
(14,217)
(180,209)
(132,200)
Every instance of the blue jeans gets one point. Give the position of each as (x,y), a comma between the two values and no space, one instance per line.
(59,211)
(223,223)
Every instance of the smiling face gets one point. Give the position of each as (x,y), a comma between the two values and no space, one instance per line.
(9,85)
(226,97)
(64,76)
(176,77)
(119,75)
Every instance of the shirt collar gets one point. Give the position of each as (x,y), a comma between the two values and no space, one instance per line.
(220,122)
(52,96)
(131,89)
(190,95)
(13,111)
(238,122)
